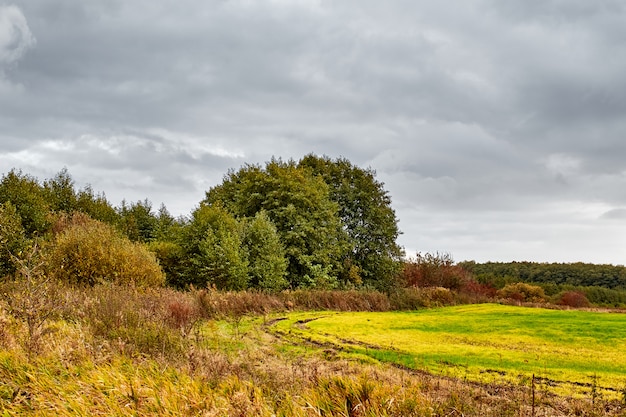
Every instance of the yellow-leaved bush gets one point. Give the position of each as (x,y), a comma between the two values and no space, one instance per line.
(90,252)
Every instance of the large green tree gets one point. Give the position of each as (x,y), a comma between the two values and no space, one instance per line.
(367,217)
(300,207)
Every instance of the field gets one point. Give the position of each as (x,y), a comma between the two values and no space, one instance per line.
(573,352)
(112,350)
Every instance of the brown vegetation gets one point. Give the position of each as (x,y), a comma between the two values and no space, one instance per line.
(123,351)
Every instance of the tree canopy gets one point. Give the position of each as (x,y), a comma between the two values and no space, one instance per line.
(314,223)
(366,215)
(334,218)
(300,207)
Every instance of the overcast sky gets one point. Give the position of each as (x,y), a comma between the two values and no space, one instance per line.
(497,126)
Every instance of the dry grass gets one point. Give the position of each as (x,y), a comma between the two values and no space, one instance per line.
(118,351)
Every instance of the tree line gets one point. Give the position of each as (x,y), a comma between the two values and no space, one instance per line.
(573,274)
(313,223)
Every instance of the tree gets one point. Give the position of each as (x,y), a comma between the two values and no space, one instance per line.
(137,221)
(266,254)
(168,244)
(96,206)
(367,217)
(59,192)
(166,227)
(27,196)
(215,249)
(434,270)
(299,205)
(12,238)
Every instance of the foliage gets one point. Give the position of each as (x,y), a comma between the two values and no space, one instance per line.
(96,206)
(521,291)
(215,248)
(577,274)
(574,299)
(59,192)
(414,298)
(137,221)
(173,261)
(300,207)
(91,252)
(433,270)
(28,198)
(12,238)
(318,224)
(166,227)
(367,217)
(266,254)
(604,296)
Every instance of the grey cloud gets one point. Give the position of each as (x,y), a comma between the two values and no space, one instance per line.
(479,115)
(557,10)
(15,35)
(614,214)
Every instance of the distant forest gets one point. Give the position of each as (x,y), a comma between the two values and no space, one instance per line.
(577,274)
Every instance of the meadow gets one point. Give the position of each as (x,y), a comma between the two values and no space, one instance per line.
(111,350)
(572,352)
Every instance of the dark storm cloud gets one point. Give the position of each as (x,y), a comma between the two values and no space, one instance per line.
(497,126)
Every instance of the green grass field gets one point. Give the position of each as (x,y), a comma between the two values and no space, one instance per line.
(573,352)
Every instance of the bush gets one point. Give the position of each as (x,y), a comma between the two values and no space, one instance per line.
(523,292)
(433,270)
(574,299)
(415,298)
(478,290)
(90,252)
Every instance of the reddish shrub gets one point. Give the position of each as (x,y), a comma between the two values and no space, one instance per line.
(574,299)
(474,287)
(433,270)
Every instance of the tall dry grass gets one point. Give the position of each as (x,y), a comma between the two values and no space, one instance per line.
(115,350)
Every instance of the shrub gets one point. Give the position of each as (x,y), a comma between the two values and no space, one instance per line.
(478,290)
(90,252)
(32,297)
(574,299)
(415,298)
(433,270)
(523,292)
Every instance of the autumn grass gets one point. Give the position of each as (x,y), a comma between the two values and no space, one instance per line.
(120,351)
(573,351)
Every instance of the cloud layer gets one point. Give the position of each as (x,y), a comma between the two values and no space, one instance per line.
(497,126)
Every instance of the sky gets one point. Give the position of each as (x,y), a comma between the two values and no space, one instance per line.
(497,126)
